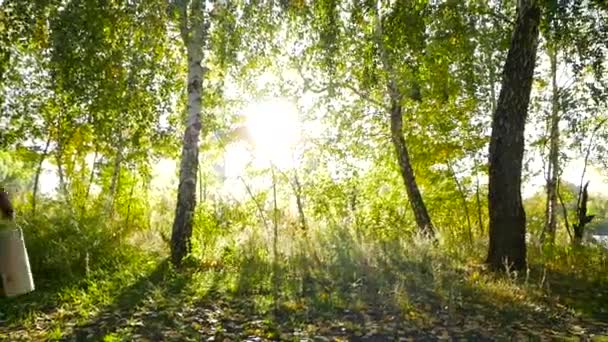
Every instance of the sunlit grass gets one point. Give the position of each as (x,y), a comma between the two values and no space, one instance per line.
(330,283)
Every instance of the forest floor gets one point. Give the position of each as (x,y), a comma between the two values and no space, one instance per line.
(374,293)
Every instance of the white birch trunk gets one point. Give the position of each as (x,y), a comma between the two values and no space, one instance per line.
(554,169)
(193,34)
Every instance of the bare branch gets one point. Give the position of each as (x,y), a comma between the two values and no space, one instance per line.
(257,203)
(345,84)
(580,190)
(565,212)
(364,95)
(497,15)
(181,7)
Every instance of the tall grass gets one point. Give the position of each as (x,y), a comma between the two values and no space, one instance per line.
(329,273)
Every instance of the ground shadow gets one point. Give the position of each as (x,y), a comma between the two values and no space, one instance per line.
(44,300)
(383,297)
(342,288)
(588,296)
(126,304)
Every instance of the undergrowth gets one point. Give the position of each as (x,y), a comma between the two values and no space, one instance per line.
(327,282)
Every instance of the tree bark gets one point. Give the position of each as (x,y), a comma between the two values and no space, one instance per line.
(554,169)
(259,206)
(63,188)
(564,210)
(128,216)
(115,180)
(90,182)
(275,241)
(193,35)
(581,201)
(299,200)
(492,79)
(507,248)
(38,172)
(478,200)
(423,220)
(463,197)
(583,218)
(421,215)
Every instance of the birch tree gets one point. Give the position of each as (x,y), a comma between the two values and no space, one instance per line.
(193,31)
(423,220)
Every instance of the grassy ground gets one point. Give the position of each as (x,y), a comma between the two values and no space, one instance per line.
(335,289)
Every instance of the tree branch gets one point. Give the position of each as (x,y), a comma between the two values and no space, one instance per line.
(565,212)
(580,190)
(345,84)
(497,15)
(364,96)
(182,7)
(257,204)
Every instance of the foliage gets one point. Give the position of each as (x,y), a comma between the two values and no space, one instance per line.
(14,175)
(92,104)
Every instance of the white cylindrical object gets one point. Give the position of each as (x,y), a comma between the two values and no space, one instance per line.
(14,263)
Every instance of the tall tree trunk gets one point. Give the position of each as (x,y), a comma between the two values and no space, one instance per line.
(193,33)
(128,215)
(147,184)
(583,218)
(201,183)
(463,197)
(564,210)
(507,217)
(259,206)
(423,220)
(38,172)
(296,186)
(275,241)
(63,183)
(478,200)
(115,180)
(63,188)
(581,201)
(299,200)
(492,84)
(554,169)
(89,183)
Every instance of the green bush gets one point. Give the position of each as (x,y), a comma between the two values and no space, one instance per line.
(62,246)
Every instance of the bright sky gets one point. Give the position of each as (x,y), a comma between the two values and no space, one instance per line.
(598,183)
(273,128)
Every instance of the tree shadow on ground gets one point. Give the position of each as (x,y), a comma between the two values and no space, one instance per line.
(161,282)
(575,278)
(588,296)
(42,300)
(63,260)
(339,287)
(382,294)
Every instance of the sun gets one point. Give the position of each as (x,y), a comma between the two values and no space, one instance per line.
(270,135)
(274,131)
